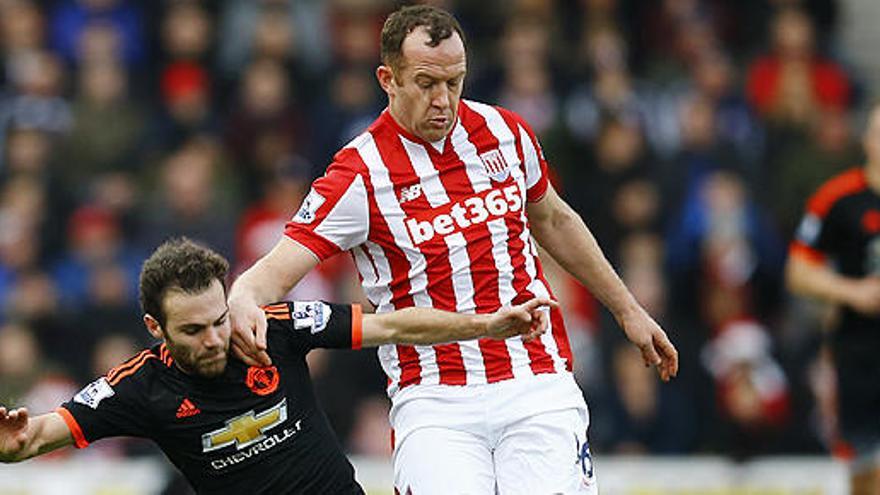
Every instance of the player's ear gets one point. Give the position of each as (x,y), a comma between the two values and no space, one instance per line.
(153,326)
(385,76)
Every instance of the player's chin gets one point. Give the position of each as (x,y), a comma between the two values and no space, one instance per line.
(213,367)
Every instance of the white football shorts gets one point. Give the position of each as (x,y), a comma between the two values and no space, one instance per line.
(523,436)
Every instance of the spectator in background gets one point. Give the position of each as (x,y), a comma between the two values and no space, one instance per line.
(724,256)
(791,85)
(75,23)
(21,32)
(42,200)
(186,109)
(20,362)
(801,163)
(751,389)
(187,32)
(192,198)
(96,246)
(34,100)
(108,128)
(641,417)
(244,34)
(266,126)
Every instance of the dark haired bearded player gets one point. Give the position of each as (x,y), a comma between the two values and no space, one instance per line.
(229,427)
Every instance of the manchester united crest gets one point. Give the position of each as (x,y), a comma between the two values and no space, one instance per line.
(262,380)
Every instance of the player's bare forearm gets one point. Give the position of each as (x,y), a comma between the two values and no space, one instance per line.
(566,237)
(266,281)
(421,326)
(812,279)
(23,437)
(563,234)
(809,278)
(273,275)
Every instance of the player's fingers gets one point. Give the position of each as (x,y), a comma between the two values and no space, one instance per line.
(243,337)
(649,355)
(264,359)
(543,321)
(240,353)
(22,414)
(260,327)
(670,354)
(538,302)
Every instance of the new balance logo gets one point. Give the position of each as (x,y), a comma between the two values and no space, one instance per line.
(187,409)
(410,193)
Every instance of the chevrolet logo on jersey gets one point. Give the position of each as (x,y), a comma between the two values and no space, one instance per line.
(245,430)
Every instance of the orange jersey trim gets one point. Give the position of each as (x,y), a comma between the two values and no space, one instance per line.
(276,308)
(133,369)
(357,326)
(798,249)
(278,316)
(838,187)
(280,311)
(124,366)
(79,440)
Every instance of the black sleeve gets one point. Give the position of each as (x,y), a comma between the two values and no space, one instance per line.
(822,233)
(103,410)
(307,325)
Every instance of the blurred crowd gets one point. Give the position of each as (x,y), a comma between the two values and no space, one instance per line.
(688,133)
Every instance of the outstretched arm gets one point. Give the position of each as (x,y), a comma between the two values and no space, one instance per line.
(266,281)
(562,232)
(809,278)
(23,437)
(432,326)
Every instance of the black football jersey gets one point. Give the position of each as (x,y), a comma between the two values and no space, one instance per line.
(252,429)
(842,223)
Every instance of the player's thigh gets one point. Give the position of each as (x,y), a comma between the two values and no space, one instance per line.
(443,461)
(546,454)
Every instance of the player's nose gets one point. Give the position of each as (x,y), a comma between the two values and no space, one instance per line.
(213,338)
(441,96)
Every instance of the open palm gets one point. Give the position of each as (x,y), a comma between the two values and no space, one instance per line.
(13,431)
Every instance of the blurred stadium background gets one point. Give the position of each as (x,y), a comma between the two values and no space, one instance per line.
(688,133)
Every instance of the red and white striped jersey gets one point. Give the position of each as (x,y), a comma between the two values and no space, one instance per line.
(441,225)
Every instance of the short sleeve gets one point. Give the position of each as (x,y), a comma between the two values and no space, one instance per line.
(819,233)
(537,179)
(334,216)
(101,410)
(307,325)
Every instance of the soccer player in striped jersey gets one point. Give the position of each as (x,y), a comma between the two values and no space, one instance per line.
(229,427)
(438,202)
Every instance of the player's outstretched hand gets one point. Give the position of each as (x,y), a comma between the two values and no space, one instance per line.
(656,348)
(248,332)
(13,432)
(528,319)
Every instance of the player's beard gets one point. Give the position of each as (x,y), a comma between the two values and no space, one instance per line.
(205,364)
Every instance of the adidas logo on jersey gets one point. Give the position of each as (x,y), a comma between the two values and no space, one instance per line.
(187,409)
(472,211)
